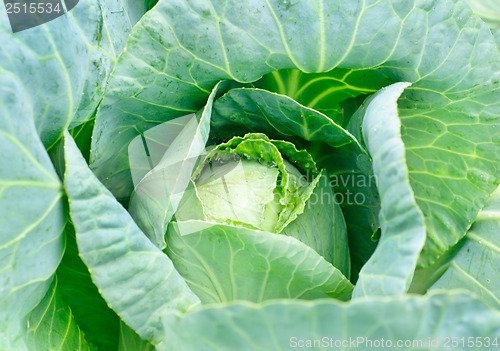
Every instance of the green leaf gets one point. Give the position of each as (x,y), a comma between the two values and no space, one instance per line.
(50,76)
(130,341)
(31,219)
(147,149)
(475,265)
(83,137)
(281,325)
(149,4)
(136,279)
(325,92)
(156,197)
(92,314)
(449,116)
(103,27)
(52,326)
(224,263)
(450,130)
(489,11)
(60,69)
(390,269)
(136,9)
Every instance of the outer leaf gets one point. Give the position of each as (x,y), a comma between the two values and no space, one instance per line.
(158,194)
(452,151)
(61,68)
(475,265)
(450,119)
(31,217)
(282,325)
(390,269)
(37,95)
(147,149)
(52,326)
(224,263)
(130,341)
(137,280)
(104,27)
(489,11)
(92,314)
